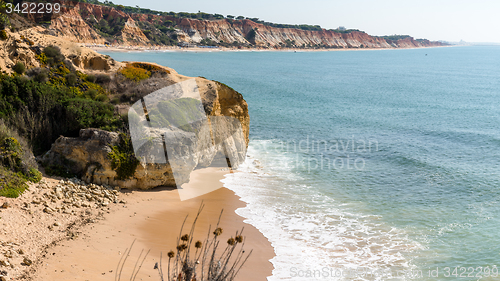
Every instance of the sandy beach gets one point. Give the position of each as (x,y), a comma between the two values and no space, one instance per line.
(153,219)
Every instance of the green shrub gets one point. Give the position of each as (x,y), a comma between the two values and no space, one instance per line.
(90,78)
(4,35)
(12,192)
(12,185)
(42,77)
(52,51)
(123,159)
(53,54)
(101,98)
(71,79)
(102,79)
(34,175)
(15,153)
(10,153)
(92,93)
(395,37)
(4,19)
(84,113)
(44,111)
(19,68)
(17,163)
(251,36)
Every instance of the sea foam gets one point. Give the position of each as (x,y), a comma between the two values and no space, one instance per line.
(310,231)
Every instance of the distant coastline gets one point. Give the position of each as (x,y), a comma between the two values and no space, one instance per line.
(100,48)
(109,24)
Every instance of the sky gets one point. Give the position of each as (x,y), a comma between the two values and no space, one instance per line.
(449,20)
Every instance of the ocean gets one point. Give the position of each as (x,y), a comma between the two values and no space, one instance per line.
(367,165)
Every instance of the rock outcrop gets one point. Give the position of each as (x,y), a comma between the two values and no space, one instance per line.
(29,41)
(71,26)
(226,112)
(75,23)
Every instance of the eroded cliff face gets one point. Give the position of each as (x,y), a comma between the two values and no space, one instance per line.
(70,26)
(77,23)
(266,36)
(88,155)
(26,44)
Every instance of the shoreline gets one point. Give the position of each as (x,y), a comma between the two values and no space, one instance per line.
(174,49)
(153,219)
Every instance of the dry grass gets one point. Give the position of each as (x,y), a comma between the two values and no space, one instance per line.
(197,260)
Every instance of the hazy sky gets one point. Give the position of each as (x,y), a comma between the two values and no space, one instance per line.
(451,20)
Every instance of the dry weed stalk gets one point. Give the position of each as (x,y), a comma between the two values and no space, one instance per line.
(123,260)
(205,264)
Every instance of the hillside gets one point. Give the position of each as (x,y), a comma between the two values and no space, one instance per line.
(52,90)
(116,24)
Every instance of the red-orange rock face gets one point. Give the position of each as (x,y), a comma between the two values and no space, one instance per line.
(73,24)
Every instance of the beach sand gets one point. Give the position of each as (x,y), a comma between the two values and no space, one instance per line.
(153,219)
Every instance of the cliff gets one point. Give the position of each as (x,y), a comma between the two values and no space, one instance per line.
(26,44)
(271,37)
(224,135)
(89,23)
(88,154)
(78,22)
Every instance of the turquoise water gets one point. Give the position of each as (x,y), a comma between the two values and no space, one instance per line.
(386,161)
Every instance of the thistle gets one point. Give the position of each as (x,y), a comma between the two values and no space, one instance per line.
(218,231)
(204,263)
(239,239)
(181,247)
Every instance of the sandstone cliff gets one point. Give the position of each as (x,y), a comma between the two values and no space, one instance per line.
(230,31)
(26,44)
(88,155)
(76,23)
(83,22)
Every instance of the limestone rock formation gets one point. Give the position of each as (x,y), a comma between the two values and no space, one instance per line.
(226,111)
(26,44)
